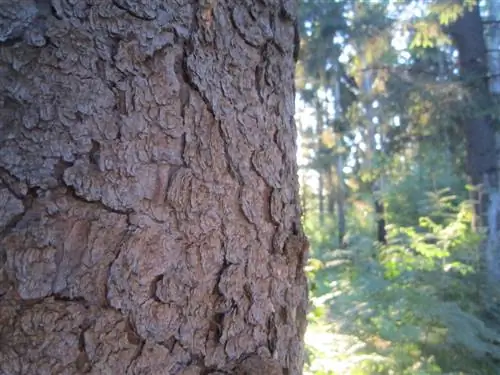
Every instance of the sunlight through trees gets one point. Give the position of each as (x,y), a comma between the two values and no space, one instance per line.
(403,278)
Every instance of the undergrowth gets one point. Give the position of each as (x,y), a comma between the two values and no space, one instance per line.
(413,306)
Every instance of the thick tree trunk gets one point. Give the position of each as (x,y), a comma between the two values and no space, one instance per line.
(371,131)
(150,217)
(480,133)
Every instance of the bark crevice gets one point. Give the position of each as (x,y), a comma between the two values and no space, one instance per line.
(146,13)
(98,203)
(164,161)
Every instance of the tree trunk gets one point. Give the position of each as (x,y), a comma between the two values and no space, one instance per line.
(380,217)
(332,192)
(341,195)
(321,198)
(339,168)
(150,216)
(321,169)
(479,129)
(374,182)
(493,46)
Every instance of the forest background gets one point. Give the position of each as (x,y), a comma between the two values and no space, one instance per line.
(398,120)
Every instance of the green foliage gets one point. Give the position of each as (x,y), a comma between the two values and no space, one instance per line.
(415,187)
(428,31)
(414,303)
(428,34)
(405,308)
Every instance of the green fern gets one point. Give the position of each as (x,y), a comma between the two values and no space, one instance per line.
(409,307)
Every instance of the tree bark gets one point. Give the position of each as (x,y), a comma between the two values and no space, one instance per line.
(150,216)
(479,128)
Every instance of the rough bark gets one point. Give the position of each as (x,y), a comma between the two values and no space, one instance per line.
(150,219)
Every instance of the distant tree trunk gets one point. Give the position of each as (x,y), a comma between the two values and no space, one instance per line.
(341,190)
(303,176)
(149,217)
(380,217)
(331,192)
(321,198)
(468,36)
(374,187)
(493,45)
(341,201)
(319,152)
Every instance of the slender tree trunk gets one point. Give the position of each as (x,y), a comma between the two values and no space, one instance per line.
(331,192)
(321,198)
(479,129)
(341,189)
(380,217)
(319,149)
(341,201)
(150,216)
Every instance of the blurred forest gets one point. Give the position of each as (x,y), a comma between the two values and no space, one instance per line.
(397,111)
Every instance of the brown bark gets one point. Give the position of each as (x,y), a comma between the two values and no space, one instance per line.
(150,220)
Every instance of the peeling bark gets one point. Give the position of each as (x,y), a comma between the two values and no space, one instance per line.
(149,212)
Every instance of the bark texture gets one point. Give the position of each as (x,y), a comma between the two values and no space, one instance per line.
(149,213)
